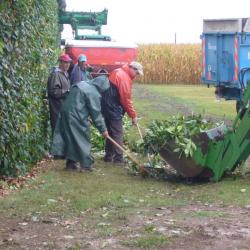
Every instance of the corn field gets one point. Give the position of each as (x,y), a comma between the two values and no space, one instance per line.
(170,63)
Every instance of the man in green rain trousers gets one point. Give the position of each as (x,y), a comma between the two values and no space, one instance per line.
(72,133)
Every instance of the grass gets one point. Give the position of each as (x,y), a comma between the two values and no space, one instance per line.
(148,241)
(68,193)
(198,97)
(211,214)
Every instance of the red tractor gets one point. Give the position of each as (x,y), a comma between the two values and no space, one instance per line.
(103,54)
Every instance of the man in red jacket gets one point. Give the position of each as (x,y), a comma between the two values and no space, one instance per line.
(115,102)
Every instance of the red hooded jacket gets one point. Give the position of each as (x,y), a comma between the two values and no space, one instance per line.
(123,82)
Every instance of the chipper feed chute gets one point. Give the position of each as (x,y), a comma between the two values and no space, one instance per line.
(218,150)
(195,166)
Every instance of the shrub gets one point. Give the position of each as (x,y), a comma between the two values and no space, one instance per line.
(28,42)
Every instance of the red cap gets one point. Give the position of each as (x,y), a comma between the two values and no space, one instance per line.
(65,58)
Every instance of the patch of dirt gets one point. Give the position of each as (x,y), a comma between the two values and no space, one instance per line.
(188,227)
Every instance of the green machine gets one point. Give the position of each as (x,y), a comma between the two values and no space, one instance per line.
(219,150)
(85,21)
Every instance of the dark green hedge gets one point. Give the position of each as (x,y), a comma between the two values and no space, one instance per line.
(28,49)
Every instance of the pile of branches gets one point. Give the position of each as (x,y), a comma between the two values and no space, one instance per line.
(177,131)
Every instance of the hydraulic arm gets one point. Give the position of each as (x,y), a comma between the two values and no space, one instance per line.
(84,20)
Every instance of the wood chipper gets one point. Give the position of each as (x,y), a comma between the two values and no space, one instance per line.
(103,54)
(218,150)
(226,66)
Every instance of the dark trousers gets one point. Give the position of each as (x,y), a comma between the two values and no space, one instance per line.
(54,108)
(115,130)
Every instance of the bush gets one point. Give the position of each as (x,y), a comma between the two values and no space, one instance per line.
(28,49)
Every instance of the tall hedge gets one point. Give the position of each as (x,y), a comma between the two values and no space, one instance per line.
(28,49)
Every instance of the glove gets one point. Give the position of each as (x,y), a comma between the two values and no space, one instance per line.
(105,134)
(134,121)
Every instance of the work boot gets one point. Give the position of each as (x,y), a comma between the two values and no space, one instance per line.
(70,165)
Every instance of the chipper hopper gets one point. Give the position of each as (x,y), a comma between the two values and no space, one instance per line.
(219,150)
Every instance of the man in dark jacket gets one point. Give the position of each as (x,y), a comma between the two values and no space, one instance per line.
(72,133)
(58,88)
(81,71)
(115,102)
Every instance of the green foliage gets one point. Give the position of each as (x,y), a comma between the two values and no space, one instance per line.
(176,132)
(28,42)
(97,141)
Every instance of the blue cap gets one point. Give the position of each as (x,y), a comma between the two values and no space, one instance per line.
(82,58)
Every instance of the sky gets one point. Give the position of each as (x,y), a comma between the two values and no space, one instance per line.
(159,21)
